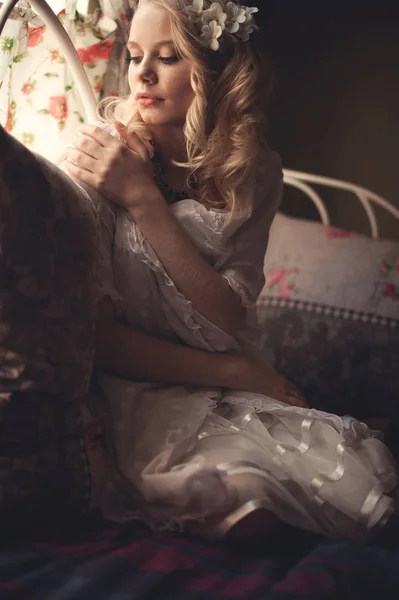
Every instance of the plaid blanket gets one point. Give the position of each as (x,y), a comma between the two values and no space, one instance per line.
(132,563)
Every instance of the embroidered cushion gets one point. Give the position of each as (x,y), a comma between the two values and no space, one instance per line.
(329,314)
(48,272)
(48,275)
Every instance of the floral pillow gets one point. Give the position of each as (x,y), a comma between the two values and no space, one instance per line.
(48,275)
(329,314)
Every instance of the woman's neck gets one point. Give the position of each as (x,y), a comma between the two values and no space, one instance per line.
(170,144)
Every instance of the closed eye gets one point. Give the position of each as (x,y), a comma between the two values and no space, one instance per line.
(167,60)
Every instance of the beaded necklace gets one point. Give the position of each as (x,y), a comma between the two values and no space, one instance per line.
(169,193)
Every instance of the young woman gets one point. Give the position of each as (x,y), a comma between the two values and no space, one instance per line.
(191,189)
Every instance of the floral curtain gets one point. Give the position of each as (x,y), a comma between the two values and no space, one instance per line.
(39,103)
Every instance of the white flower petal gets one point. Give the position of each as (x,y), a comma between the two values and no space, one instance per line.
(245,32)
(249,10)
(216,7)
(207,17)
(237,20)
(215,29)
(214,13)
(232,27)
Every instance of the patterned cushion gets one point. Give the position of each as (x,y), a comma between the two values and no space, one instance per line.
(48,293)
(48,274)
(329,314)
(43,459)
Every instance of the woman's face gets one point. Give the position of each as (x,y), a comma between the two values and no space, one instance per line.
(158,79)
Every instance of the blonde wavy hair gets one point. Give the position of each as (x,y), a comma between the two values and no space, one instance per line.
(225,129)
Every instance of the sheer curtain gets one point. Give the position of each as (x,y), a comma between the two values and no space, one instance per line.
(39,104)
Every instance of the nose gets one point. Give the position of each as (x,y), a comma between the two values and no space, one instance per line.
(147,74)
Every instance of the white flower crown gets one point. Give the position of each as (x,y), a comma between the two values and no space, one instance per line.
(237,22)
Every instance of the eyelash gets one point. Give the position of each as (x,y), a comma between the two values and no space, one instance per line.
(167,60)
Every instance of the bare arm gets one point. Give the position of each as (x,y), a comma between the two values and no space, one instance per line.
(122,350)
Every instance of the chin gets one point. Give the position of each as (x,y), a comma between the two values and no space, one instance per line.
(158,120)
(155,122)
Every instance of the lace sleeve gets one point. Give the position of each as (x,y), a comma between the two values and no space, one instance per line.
(235,250)
(244,267)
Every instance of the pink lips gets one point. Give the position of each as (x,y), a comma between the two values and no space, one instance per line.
(147,99)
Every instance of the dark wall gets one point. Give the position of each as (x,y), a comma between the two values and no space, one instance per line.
(335,109)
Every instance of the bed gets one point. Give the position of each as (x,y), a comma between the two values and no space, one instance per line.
(329,315)
(106,563)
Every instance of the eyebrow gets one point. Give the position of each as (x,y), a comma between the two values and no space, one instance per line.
(132,44)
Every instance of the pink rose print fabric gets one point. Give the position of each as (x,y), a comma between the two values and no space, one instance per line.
(282,282)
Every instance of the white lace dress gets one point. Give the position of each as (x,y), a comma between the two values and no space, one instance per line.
(185,454)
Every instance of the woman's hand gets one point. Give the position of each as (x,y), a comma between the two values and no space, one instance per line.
(253,376)
(120,170)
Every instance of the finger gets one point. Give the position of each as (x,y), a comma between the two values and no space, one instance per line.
(102,137)
(134,143)
(297,394)
(122,131)
(88,145)
(81,160)
(132,140)
(292,388)
(120,127)
(283,396)
(288,397)
(293,392)
(81,174)
(297,401)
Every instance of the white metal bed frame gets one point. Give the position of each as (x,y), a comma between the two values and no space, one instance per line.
(297,179)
